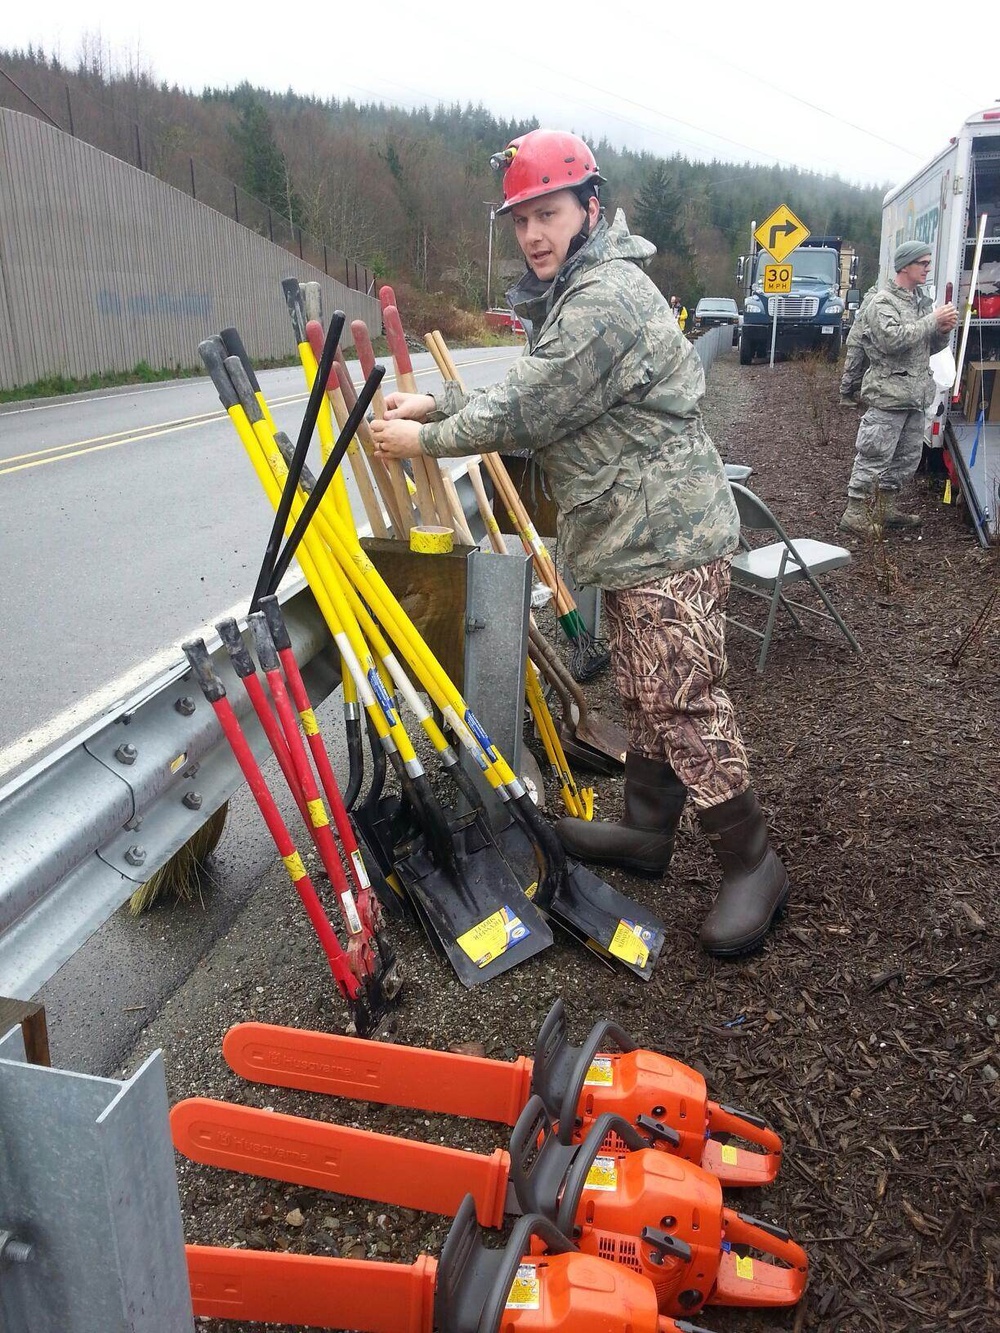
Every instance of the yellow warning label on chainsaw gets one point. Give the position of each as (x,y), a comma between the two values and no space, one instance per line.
(628,944)
(601,1071)
(493,937)
(524,1294)
(317,813)
(730,1155)
(294,866)
(309,724)
(744,1267)
(603,1174)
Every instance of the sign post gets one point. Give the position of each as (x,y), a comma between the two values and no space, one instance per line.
(779,234)
(777,281)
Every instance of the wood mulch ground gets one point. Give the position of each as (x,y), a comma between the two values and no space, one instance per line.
(866,1031)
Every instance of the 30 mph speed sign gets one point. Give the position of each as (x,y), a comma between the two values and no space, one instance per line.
(777,279)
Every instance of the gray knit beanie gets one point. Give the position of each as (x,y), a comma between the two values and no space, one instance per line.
(908,253)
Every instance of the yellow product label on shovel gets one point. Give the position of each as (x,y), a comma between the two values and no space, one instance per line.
(628,944)
(493,937)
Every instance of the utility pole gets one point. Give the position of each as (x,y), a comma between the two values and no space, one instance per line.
(489,256)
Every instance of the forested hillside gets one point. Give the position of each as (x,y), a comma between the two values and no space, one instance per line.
(405,192)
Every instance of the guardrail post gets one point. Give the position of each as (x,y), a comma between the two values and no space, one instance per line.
(89,1209)
(498,598)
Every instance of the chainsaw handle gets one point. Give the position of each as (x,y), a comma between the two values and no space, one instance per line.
(473,1283)
(512,1257)
(601,1035)
(742,1229)
(583,1159)
(728,1120)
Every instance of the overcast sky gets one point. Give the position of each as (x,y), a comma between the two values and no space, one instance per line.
(851,88)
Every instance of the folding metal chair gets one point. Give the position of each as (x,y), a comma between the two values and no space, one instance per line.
(765,571)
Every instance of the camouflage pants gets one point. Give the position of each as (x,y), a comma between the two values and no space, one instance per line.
(668,649)
(888,447)
(855,365)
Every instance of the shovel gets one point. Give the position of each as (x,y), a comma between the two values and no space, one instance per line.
(588,738)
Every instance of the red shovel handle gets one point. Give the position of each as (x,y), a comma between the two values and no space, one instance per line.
(397,340)
(316,336)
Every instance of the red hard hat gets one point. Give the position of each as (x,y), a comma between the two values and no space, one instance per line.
(542,162)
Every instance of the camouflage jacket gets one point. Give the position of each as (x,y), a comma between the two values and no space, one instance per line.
(854,333)
(899,336)
(607,398)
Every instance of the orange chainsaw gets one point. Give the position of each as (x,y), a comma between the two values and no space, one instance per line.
(665,1100)
(613,1194)
(538,1283)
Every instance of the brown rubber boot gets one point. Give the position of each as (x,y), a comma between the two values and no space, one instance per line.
(894,517)
(754,882)
(643,839)
(856,518)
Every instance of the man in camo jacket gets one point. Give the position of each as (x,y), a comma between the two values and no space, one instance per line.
(608,399)
(900,332)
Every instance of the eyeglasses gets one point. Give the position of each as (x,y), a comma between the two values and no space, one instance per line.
(923,263)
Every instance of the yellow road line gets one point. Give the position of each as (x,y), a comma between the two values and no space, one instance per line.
(98,443)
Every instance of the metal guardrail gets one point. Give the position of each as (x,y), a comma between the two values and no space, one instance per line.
(711,343)
(89,823)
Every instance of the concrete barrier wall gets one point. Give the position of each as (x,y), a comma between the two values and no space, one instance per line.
(103,266)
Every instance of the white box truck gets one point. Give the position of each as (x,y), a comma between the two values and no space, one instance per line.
(942,204)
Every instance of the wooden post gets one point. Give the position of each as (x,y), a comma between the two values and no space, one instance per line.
(31,1017)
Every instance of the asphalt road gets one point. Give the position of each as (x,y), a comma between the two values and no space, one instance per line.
(130,519)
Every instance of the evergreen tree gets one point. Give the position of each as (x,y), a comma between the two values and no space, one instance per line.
(265,172)
(657,212)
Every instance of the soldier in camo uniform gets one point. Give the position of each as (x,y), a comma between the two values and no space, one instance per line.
(900,332)
(608,399)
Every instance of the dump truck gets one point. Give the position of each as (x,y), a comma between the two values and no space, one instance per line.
(810,316)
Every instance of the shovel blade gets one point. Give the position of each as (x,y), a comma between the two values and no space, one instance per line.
(476,914)
(614,928)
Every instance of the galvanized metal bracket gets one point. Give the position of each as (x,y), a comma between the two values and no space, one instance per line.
(91,1239)
(498,601)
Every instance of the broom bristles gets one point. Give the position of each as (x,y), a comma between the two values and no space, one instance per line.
(180,878)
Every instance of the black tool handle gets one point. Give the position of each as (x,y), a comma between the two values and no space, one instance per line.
(323,480)
(296,311)
(266,653)
(234,347)
(213,354)
(243,389)
(239,653)
(271,611)
(201,664)
(265,581)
